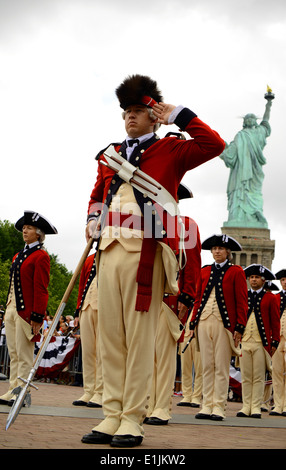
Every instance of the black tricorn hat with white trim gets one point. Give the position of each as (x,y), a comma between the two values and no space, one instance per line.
(138,89)
(280,274)
(270,286)
(37,220)
(259,270)
(184,192)
(221,240)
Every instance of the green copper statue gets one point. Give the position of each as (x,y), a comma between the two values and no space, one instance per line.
(245,159)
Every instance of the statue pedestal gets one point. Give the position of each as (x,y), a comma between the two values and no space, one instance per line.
(256,246)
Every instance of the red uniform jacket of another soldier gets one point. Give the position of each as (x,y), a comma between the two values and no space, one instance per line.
(31,279)
(231,296)
(189,275)
(267,318)
(86,276)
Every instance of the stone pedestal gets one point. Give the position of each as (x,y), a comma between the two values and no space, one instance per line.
(256,246)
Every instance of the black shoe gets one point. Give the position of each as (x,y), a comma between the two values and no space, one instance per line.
(3,402)
(96,437)
(240,414)
(217,417)
(126,440)
(256,415)
(283,413)
(11,403)
(202,416)
(157,421)
(184,403)
(79,403)
(275,413)
(92,404)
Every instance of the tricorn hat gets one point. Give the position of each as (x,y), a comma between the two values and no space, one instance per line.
(270,286)
(37,220)
(259,270)
(184,192)
(221,240)
(280,274)
(138,89)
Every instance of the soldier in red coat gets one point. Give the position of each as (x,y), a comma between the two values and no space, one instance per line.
(134,263)
(27,298)
(260,340)
(219,315)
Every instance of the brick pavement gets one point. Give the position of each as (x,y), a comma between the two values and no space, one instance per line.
(52,422)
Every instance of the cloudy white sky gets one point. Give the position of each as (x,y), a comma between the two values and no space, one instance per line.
(61,61)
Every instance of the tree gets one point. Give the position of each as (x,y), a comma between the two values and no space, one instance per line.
(11,241)
(59,280)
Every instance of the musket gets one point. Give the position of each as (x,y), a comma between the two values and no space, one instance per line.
(22,393)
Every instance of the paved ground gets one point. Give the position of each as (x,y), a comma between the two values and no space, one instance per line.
(52,422)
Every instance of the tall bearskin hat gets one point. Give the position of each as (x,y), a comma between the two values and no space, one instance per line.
(138,89)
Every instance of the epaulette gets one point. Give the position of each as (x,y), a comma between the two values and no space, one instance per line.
(103,150)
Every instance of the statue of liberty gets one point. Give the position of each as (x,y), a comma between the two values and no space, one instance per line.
(245,159)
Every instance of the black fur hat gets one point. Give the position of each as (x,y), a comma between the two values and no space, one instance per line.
(138,89)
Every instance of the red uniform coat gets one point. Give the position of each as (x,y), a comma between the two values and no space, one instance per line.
(190,273)
(231,296)
(281,302)
(31,279)
(267,318)
(166,160)
(86,276)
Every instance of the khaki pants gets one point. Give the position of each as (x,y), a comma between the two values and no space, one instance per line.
(253,367)
(164,372)
(279,377)
(215,358)
(191,359)
(20,348)
(91,360)
(127,339)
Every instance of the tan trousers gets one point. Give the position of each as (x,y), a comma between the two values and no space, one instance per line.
(20,348)
(164,372)
(279,377)
(192,380)
(91,360)
(215,357)
(127,339)
(253,367)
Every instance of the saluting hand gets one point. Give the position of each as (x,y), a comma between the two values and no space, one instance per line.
(162,112)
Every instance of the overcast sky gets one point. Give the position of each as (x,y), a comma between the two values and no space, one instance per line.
(60,63)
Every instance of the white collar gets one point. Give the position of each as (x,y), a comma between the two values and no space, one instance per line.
(31,245)
(257,291)
(142,138)
(222,264)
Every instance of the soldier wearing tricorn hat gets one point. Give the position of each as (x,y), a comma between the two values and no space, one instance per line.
(219,318)
(136,253)
(279,357)
(27,297)
(259,341)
